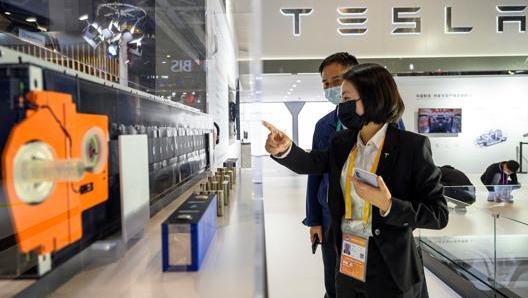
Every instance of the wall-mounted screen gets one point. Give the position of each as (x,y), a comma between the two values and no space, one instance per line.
(432,120)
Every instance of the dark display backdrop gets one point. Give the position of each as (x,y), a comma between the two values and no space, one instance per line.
(12,82)
(177,154)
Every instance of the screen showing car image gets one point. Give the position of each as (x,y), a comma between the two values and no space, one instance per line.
(439,120)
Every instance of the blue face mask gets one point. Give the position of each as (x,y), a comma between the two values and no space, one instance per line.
(333,94)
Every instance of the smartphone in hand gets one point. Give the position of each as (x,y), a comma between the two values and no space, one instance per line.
(366,177)
(315,242)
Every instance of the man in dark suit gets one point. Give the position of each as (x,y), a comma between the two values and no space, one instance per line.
(317,214)
(500,179)
(457,185)
(409,195)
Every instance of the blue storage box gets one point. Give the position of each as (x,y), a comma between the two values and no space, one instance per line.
(187,233)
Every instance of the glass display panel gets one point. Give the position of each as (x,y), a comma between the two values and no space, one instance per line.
(155,46)
(484,241)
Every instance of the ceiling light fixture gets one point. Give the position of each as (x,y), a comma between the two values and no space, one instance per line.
(92,35)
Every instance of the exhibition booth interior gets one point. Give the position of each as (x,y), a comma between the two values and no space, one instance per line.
(108,116)
(481,251)
(112,110)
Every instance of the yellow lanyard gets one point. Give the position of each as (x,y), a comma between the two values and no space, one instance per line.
(348,178)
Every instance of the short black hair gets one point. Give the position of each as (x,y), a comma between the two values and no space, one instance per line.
(378,92)
(342,58)
(512,165)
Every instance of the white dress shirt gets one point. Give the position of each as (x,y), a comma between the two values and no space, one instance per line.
(366,153)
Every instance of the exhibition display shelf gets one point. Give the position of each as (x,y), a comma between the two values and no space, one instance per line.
(233,265)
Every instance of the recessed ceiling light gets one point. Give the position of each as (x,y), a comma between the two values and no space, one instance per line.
(294,85)
(31,19)
(7,13)
(298,81)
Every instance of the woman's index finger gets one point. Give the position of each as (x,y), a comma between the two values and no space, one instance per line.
(269,126)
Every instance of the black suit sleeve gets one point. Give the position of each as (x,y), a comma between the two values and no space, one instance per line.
(514,180)
(302,162)
(426,206)
(487,177)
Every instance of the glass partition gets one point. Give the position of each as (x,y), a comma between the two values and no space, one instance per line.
(77,76)
(484,242)
(511,250)
(154,46)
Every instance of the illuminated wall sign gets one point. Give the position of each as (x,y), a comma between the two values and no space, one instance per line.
(312,29)
(356,17)
(406,20)
(296,16)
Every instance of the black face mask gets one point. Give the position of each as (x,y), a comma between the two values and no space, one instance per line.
(346,112)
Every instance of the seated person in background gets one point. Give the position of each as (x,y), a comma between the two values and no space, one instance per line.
(500,179)
(457,185)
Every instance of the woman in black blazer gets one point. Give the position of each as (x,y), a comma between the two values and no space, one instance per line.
(379,221)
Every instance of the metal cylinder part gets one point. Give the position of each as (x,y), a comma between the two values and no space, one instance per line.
(220,203)
(34,171)
(225,188)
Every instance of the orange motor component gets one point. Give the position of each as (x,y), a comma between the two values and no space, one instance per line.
(54,167)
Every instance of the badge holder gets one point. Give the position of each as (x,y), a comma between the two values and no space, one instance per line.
(353,261)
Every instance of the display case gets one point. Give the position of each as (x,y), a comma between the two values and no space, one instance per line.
(64,122)
(482,251)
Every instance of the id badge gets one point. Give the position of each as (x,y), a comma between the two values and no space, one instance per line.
(353,260)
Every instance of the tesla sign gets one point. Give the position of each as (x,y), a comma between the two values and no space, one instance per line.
(352,21)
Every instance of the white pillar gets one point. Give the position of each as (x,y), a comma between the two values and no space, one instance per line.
(123,63)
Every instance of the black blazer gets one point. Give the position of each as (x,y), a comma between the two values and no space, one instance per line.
(492,170)
(408,170)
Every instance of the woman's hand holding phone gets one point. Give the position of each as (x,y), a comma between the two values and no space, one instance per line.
(371,188)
